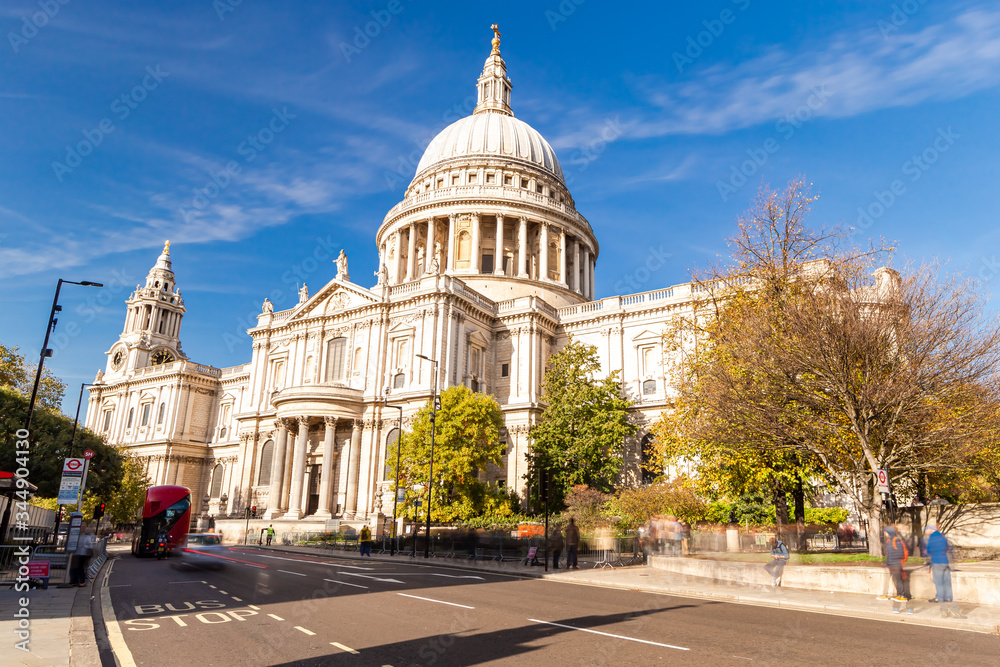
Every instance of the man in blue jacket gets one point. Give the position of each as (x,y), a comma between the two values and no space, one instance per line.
(936,548)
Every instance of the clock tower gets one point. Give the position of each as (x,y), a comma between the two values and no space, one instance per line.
(151,335)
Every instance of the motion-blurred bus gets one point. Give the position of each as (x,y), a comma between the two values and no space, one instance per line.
(168,509)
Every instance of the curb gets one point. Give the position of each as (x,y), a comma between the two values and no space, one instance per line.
(735,598)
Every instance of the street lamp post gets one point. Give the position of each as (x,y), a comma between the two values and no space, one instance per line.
(430,476)
(395,498)
(72,444)
(46,352)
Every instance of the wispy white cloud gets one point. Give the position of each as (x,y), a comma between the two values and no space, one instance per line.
(863,72)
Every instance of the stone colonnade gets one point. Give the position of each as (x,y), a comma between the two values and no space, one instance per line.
(288,496)
(458,246)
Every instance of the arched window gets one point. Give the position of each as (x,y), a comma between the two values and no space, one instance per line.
(131,414)
(216,481)
(266,454)
(391,441)
(648,445)
(161,413)
(336,350)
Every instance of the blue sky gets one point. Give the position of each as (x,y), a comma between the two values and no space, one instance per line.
(652,111)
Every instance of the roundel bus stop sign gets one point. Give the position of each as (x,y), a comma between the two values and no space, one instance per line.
(883,481)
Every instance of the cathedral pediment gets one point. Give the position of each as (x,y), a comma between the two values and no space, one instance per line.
(334,297)
(647,336)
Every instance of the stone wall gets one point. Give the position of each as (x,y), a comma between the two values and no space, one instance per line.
(973,530)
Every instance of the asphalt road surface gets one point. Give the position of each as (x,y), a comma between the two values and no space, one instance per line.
(245,606)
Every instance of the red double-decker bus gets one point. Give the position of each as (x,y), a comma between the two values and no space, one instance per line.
(167,508)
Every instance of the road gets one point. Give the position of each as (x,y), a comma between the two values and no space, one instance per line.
(280,608)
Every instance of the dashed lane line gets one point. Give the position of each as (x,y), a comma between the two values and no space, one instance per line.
(254,607)
(211,586)
(277,618)
(223,592)
(237,599)
(301,629)
(316,562)
(344,648)
(290,572)
(453,604)
(608,634)
(334,581)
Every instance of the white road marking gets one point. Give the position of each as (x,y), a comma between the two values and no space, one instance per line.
(608,634)
(224,592)
(237,599)
(253,606)
(290,572)
(334,581)
(453,604)
(317,562)
(370,576)
(277,618)
(120,649)
(301,629)
(211,586)
(120,586)
(344,648)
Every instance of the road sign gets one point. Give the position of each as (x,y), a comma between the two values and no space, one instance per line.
(69,490)
(73,466)
(401,495)
(89,454)
(883,481)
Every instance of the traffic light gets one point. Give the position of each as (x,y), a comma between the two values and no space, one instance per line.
(99,512)
(253,512)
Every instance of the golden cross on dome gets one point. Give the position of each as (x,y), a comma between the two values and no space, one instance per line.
(166,248)
(496,38)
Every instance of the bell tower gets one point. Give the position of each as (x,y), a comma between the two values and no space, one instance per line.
(151,335)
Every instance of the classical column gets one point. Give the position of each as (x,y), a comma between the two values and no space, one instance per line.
(575,273)
(295,506)
(277,468)
(562,258)
(411,257)
(498,253)
(585,275)
(476,252)
(593,264)
(522,255)
(543,252)
(429,250)
(326,477)
(355,469)
(451,243)
(398,266)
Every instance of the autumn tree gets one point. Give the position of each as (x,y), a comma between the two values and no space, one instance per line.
(19,375)
(580,435)
(466,441)
(826,353)
(125,502)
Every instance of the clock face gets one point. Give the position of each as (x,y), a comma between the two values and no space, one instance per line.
(162,357)
(118,359)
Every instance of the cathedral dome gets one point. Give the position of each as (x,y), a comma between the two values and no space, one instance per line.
(490,135)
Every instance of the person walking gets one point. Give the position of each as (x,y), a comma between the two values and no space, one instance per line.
(937,550)
(270,533)
(572,544)
(896,553)
(556,544)
(81,558)
(365,540)
(779,558)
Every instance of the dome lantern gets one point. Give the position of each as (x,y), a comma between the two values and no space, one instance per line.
(494,86)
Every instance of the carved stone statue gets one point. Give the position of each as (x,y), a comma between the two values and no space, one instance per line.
(303,293)
(268,307)
(436,260)
(341,262)
(420,256)
(382,274)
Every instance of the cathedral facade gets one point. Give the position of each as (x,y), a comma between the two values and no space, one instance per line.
(485,269)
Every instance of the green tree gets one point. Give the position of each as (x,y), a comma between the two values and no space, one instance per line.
(634,507)
(123,505)
(19,375)
(580,436)
(466,441)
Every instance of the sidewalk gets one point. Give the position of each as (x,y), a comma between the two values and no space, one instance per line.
(979,618)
